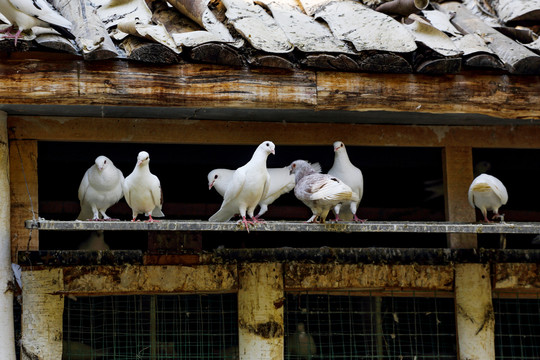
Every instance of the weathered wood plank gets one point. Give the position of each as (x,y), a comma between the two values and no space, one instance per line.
(42,314)
(24,194)
(458,175)
(219,132)
(110,83)
(368,276)
(487,94)
(515,277)
(261,332)
(133,84)
(475,319)
(134,279)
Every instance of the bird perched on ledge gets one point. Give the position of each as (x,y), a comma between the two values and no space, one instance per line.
(281,182)
(100,188)
(248,185)
(142,190)
(320,192)
(488,194)
(344,170)
(25,14)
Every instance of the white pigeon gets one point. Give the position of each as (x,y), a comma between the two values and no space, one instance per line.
(301,343)
(281,182)
(142,190)
(248,186)
(100,188)
(320,192)
(26,14)
(488,194)
(344,170)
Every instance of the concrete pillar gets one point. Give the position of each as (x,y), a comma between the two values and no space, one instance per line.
(260,311)
(7,338)
(475,319)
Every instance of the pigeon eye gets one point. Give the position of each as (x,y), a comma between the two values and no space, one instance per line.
(215,176)
(104,162)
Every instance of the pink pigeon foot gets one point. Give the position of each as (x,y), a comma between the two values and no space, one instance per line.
(358,219)
(246,223)
(257,220)
(9,35)
(150,219)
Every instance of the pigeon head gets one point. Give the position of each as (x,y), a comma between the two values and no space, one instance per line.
(338,145)
(300,327)
(268,147)
(143,158)
(101,162)
(213,176)
(301,168)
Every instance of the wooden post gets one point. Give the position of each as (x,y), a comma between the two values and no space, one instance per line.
(24,194)
(260,311)
(475,319)
(42,314)
(458,175)
(7,339)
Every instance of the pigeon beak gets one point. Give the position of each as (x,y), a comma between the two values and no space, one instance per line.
(139,162)
(274,152)
(211,185)
(336,148)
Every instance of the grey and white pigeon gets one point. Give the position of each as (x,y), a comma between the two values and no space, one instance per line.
(142,190)
(320,192)
(25,14)
(301,343)
(100,188)
(488,194)
(249,184)
(281,182)
(344,170)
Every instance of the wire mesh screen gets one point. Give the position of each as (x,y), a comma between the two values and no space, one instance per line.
(361,325)
(517,327)
(153,327)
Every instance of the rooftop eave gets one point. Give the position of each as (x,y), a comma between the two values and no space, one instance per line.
(118,88)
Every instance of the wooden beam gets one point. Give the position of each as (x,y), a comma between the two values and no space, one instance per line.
(517,278)
(182,131)
(24,194)
(458,175)
(299,276)
(7,340)
(260,311)
(475,319)
(125,83)
(134,279)
(42,314)
(132,84)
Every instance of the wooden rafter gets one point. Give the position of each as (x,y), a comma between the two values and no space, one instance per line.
(129,84)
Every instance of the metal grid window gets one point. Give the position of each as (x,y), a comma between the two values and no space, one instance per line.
(517,326)
(367,325)
(155,327)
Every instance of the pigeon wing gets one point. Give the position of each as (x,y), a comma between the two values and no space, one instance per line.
(157,197)
(234,190)
(499,190)
(329,188)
